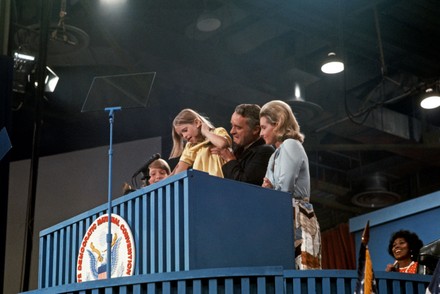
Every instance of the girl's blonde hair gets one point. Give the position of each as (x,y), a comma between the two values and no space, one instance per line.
(186,116)
(161,164)
(280,114)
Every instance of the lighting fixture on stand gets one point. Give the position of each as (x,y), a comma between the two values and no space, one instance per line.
(332,64)
(24,64)
(431,99)
(51,80)
(24,81)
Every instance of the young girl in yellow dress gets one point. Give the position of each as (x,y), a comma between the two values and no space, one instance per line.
(200,135)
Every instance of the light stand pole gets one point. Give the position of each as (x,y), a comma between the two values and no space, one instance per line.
(46,9)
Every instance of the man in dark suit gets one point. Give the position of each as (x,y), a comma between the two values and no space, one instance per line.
(247,162)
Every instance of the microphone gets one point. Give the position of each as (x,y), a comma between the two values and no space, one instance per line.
(145,166)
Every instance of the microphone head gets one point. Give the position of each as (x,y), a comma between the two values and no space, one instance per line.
(144,168)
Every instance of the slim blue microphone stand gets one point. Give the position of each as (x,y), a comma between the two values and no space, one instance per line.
(128,90)
(111,111)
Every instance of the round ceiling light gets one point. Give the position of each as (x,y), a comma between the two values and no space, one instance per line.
(430,100)
(208,22)
(332,64)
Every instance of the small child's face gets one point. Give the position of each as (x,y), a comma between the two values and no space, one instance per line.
(156,175)
(189,132)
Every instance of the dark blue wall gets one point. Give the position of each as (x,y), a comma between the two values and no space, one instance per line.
(420,215)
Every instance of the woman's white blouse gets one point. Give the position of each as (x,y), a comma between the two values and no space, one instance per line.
(288,169)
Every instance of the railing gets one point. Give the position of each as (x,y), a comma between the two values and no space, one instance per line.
(261,280)
(344,282)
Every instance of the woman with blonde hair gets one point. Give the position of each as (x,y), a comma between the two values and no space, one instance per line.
(288,171)
(200,135)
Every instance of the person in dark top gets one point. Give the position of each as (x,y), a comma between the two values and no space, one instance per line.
(247,161)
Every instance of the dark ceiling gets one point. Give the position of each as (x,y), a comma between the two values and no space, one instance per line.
(365,131)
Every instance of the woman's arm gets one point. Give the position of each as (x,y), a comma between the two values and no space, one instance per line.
(289,165)
(218,140)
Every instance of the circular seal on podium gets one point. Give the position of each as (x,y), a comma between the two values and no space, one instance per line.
(92,255)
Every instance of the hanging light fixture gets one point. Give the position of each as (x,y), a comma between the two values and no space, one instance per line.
(373,191)
(431,99)
(208,22)
(332,64)
(305,111)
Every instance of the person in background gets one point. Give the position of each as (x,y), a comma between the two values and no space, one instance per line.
(200,135)
(404,247)
(288,171)
(158,170)
(248,160)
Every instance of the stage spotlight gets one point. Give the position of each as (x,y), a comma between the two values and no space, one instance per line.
(24,72)
(51,80)
(24,65)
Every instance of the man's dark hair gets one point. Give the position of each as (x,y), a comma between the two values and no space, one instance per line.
(414,243)
(251,112)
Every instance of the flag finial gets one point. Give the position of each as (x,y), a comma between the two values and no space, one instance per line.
(366,233)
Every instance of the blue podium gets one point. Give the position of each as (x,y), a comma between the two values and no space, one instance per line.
(186,222)
(195,233)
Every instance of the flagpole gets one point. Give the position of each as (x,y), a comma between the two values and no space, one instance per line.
(366,283)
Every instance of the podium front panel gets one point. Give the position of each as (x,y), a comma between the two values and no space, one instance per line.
(188,221)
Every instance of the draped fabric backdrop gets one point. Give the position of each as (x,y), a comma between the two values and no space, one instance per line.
(338,248)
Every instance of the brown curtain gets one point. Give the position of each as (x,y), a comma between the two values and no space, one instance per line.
(338,249)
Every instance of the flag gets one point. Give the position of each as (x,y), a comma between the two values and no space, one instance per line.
(102,272)
(366,283)
(434,285)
